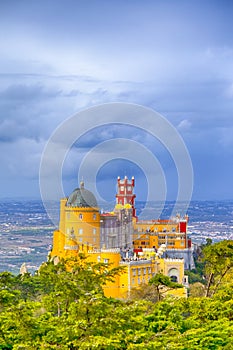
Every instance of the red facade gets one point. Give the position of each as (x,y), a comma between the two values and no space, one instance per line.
(183,226)
(125,192)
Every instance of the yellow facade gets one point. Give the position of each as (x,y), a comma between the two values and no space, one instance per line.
(78,226)
(152,234)
(156,226)
(82,226)
(111,257)
(151,240)
(137,272)
(58,244)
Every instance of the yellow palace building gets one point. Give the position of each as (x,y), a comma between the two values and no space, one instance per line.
(108,238)
(138,271)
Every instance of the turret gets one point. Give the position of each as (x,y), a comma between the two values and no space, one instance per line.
(125,193)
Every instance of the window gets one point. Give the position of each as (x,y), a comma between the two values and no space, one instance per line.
(106,261)
(94,240)
(98,258)
(144,270)
(80,216)
(139,272)
(68,215)
(94,231)
(134,272)
(173,273)
(80,231)
(94,216)
(173,278)
(80,239)
(139,280)
(71,233)
(149,270)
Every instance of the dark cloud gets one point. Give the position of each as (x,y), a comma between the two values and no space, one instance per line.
(32,110)
(174,57)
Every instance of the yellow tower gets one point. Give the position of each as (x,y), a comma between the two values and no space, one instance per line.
(79,223)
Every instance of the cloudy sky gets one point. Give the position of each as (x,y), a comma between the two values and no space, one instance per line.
(58,58)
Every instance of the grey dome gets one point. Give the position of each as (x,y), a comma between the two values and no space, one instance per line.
(81,197)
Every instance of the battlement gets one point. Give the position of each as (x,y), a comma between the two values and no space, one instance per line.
(135,262)
(178,260)
(110,250)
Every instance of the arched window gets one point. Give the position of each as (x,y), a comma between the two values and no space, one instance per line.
(173,273)
(174,278)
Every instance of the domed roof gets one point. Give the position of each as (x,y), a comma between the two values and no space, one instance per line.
(81,197)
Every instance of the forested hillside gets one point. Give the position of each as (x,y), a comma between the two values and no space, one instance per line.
(60,309)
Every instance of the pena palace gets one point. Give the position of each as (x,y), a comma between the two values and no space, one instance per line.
(119,238)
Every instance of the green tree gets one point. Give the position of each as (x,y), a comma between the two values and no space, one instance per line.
(144,292)
(197,289)
(162,283)
(73,279)
(194,276)
(9,292)
(218,259)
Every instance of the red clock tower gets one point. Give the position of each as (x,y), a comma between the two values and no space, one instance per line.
(125,194)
